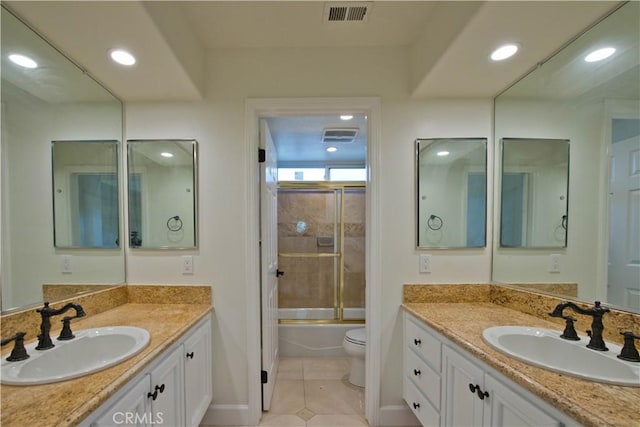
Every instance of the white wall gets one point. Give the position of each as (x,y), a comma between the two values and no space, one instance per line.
(218,125)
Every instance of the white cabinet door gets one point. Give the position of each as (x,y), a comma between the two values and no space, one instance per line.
(508,408)
(197,374)
(167,390)
(130,410)
(462,406)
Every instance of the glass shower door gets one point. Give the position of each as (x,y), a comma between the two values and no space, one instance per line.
(321,244)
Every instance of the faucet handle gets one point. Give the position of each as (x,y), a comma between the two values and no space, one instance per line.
(19,352)
(569,330)
(66,333)
(629,351)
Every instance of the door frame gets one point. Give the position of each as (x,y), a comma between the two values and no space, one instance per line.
(255,108)
(613,109)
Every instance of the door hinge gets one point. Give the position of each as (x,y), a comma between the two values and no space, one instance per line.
(262,155)
(264,377)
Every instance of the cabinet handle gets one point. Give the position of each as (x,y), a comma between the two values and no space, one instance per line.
(157,389)
(417,341)
(190,355)
(476,389)
(417,372)
(416,405)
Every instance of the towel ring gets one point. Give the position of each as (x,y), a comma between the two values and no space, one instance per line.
(434,222)
(174,223)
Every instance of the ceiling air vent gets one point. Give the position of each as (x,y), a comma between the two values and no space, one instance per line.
(347,12)
(334,135)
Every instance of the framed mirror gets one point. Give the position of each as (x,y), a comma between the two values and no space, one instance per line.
(85,194)
(162,193)
(53,101)
(596,105)
(534,193)
(451,190)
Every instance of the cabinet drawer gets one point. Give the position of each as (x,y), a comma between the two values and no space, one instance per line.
(422,342)
(425,378)
(420,406)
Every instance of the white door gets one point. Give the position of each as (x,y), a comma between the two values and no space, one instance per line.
(269,263)
(624,225)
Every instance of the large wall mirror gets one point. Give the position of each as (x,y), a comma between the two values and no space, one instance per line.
(534,192)
(451,183)
(595,105)
(50,99)
(162,184)
(85,194)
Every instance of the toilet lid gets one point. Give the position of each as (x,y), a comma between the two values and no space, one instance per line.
(357,336)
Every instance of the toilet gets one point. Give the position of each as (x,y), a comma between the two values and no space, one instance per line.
(354,343)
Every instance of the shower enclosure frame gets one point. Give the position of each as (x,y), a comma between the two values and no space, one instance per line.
(339,230)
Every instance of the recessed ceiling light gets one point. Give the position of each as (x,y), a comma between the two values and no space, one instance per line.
(23,61)
(600,54)
(331,149)
(122,57)
(442,153)
(166,154)
(504,52)
(346,117)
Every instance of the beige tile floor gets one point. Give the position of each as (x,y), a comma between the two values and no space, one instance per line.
(315,392)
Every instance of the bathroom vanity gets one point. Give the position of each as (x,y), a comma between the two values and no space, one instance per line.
(452,377)
(169,379)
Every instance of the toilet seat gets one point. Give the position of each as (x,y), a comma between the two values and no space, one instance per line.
(356,336)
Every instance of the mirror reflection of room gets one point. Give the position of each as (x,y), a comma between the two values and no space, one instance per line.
(162,193)
(534,195)
(594,104)
(451,192)
(56,101)
(85,194)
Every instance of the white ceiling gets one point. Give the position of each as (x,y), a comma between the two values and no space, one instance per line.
(448,41)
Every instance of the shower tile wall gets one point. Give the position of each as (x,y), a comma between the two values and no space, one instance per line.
(354,248)
(310,282)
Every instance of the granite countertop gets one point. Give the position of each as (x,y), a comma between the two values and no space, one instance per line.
(589,403)
(69,402)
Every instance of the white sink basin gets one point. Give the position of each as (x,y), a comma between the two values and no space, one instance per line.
(90,351)
(545,348)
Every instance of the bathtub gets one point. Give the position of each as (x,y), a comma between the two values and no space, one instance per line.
(315,340)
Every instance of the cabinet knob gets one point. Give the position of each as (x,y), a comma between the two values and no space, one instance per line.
(417,341)
(416,405)
(190,355)
(417,372)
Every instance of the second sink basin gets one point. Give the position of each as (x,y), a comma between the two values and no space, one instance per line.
(544,348)
(90,351)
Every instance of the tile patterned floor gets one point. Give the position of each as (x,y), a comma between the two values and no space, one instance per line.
(315,392)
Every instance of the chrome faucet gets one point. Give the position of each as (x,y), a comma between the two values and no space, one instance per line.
(44,340)
(596,312)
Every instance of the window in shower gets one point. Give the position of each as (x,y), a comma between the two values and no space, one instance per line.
(321,244)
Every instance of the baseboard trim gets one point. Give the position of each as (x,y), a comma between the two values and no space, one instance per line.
(396,416)
(226,415)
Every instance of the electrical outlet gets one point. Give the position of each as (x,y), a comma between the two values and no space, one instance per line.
(425,263)
(187,264)
(65,264)
(554,263)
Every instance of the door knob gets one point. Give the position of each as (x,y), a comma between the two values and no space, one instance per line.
(279,273)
